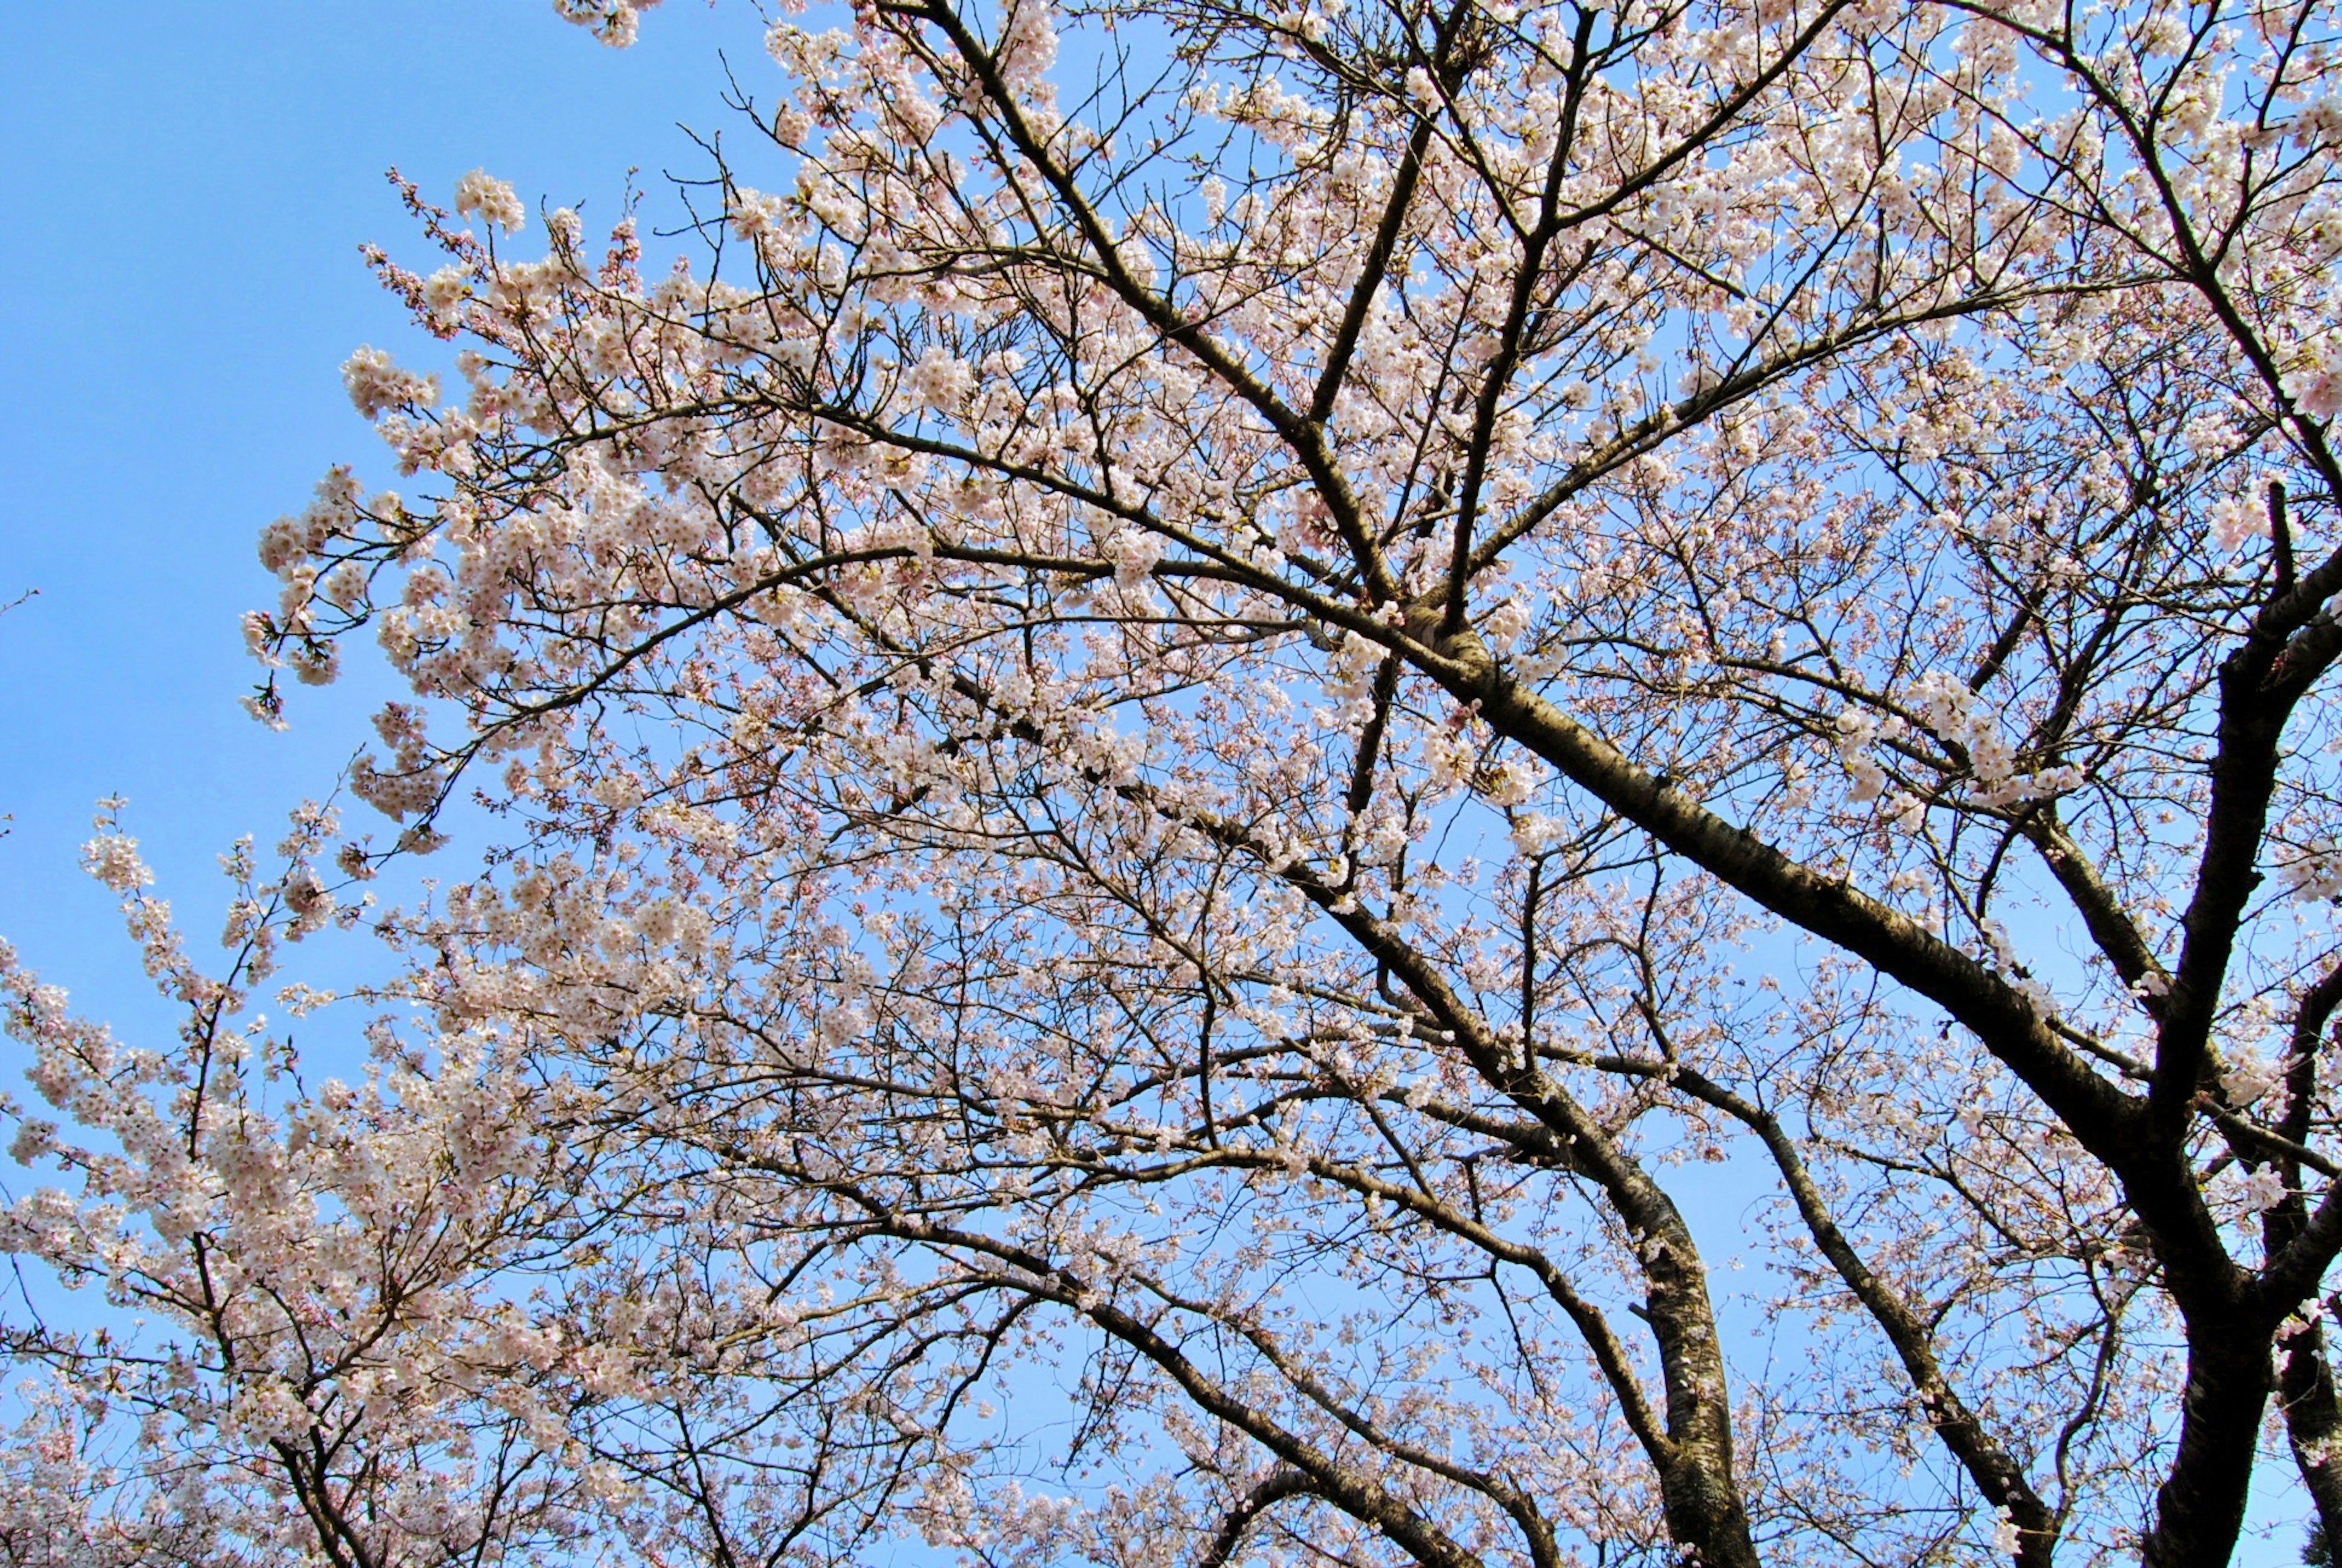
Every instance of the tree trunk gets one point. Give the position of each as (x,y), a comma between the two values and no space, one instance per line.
(2313,1424)
(2201,1507)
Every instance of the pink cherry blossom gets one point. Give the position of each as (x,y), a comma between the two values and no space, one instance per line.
(1491,785)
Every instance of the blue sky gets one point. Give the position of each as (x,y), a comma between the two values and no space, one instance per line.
(185,190)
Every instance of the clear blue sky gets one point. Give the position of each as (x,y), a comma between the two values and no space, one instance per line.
(185,188)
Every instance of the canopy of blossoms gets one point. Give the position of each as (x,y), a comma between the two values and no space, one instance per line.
(1458,783)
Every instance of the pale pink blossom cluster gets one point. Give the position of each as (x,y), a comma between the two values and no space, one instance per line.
(483,195)
(616,22)
(377,385)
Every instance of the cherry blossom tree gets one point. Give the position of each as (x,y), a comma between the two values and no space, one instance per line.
(329,1257)
(1465,784)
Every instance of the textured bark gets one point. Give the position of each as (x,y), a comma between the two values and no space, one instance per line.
(2313,1424)
(2201,1507)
